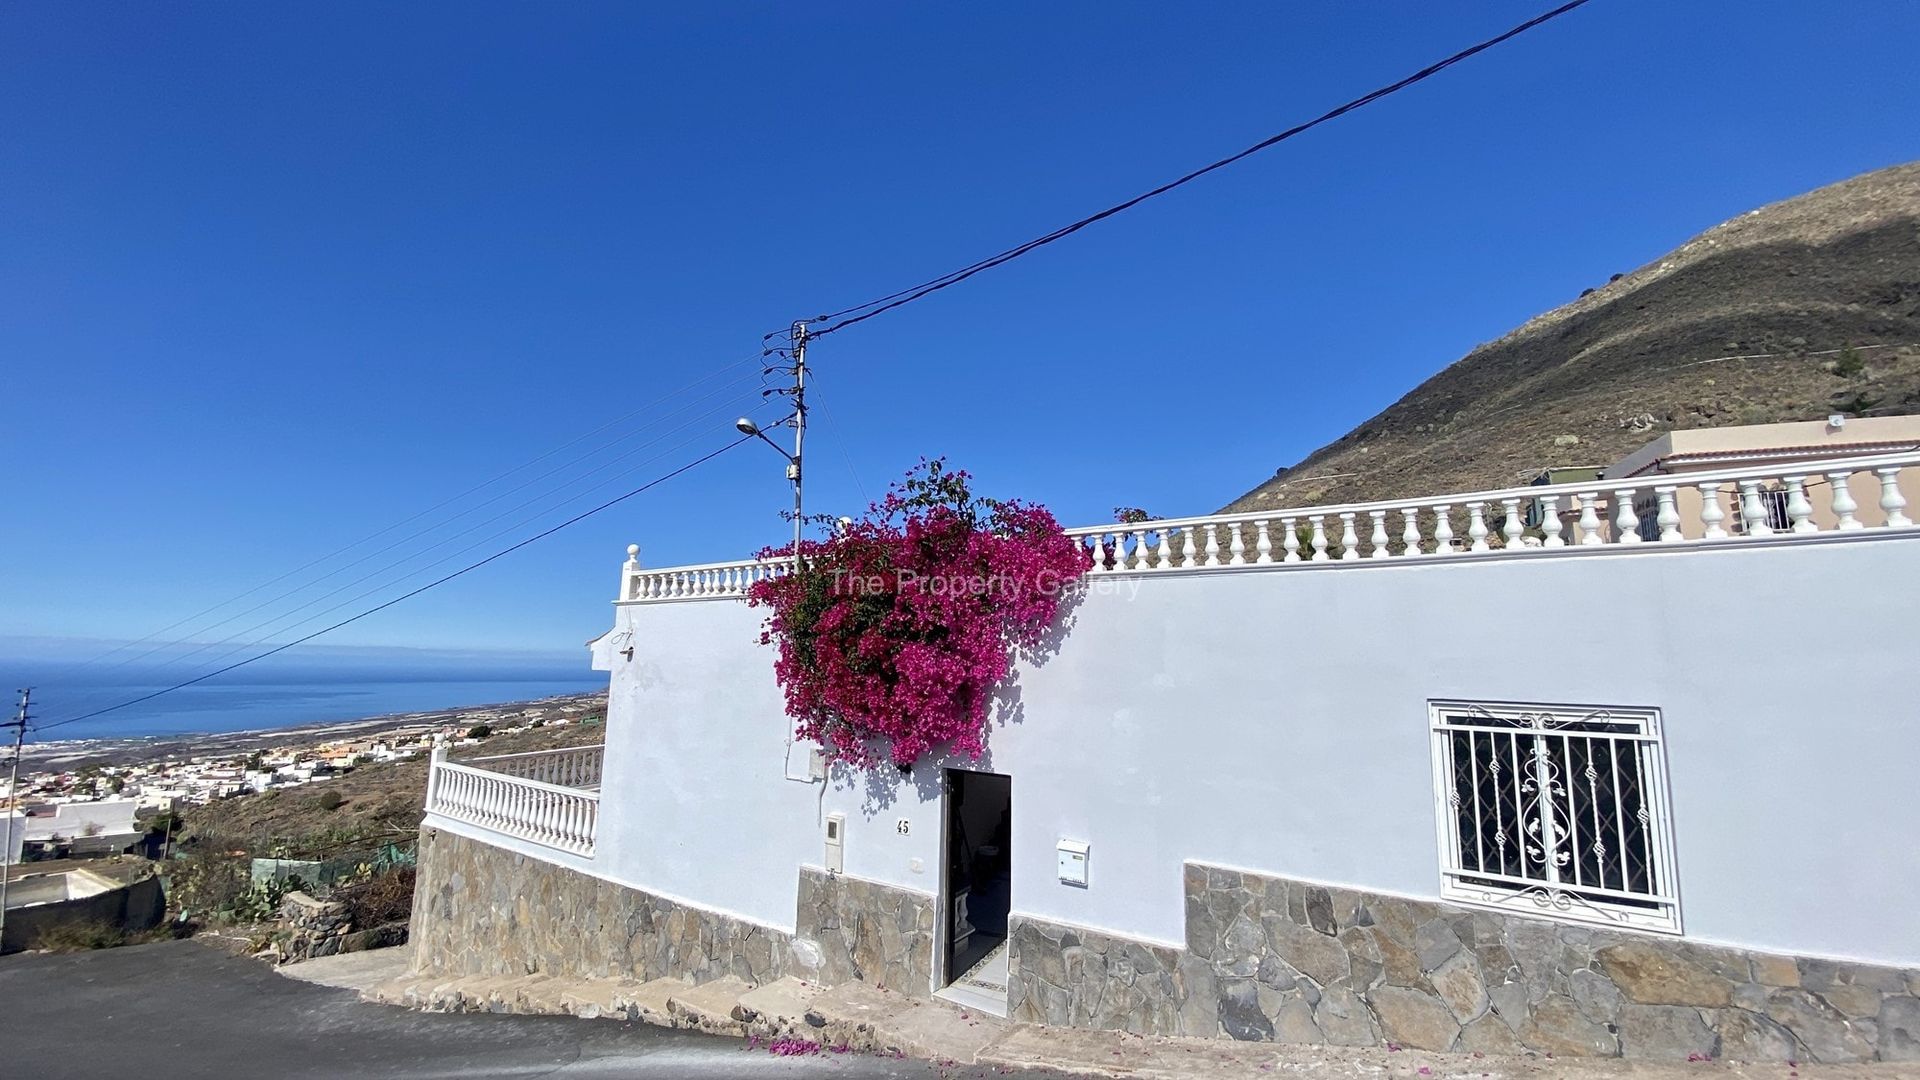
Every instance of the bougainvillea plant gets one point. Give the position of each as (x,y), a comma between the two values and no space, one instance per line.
(895,630)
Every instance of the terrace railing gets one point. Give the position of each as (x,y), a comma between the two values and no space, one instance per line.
(1779,502)
(559,817)
(570,766)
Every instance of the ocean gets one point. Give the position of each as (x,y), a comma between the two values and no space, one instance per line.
(220,708)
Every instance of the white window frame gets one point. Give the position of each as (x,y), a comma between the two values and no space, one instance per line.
(1546,893)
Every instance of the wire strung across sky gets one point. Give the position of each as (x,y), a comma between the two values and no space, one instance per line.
(833,321)
(596,452)
(409,519)
(469,568)
(845,317)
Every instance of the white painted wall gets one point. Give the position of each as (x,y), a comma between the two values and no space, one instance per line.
(1276,719)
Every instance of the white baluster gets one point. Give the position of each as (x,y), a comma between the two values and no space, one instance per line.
(1668,517)
(1189,551)
(1589,524)
(1164,560)
(1349,540)
(1477,526)
(1236,546)
(1892,503)
(1379,537)
(1262,544)
(1711,512)
(1142,550)
(1213,546)
(1410,530)
(1095,551)
(1550,522)
(1319,538)
(1443,529)
(1843,504)
(1799,510)
(1625,521)
(1290,541)
(1751,511)
(1510,526)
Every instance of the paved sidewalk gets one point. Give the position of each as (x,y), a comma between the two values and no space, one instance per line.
(354,971)
(971,1044)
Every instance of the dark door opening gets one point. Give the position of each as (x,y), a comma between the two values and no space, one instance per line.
(977,891)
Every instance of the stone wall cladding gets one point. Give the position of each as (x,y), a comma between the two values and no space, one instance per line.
(868,931)
(1305,963)
(1071,976)
(1275,959)
(483,910)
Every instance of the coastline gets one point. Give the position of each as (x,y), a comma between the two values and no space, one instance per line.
(64,754)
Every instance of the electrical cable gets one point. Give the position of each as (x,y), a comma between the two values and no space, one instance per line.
(880,305)
(178,661)
(398,524)
(469,568)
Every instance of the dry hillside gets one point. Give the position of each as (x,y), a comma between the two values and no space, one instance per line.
(1744,324)
(377,803)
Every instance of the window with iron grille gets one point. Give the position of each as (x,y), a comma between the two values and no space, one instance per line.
(1555,810)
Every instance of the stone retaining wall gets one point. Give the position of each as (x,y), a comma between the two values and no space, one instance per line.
(1273,959)
(483,910)
(868,931)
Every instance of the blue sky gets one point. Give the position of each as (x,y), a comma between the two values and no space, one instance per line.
(274,277)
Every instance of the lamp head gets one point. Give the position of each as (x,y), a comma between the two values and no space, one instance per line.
(746,426)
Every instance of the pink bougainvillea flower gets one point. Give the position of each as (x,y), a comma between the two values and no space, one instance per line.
(895,632)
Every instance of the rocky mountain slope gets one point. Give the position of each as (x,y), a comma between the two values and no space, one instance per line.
(1790,312)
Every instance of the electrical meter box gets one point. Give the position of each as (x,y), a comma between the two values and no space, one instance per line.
(836,843)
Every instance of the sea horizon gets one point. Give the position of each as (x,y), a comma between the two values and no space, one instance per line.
(102,698)
(220,709)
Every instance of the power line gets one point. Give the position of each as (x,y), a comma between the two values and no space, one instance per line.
(429,547)
(846,316)
(450,500)
(284,626)
(469,568)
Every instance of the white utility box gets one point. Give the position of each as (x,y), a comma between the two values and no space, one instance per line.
(1073,862)
(836,843)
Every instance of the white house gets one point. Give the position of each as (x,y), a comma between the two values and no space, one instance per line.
(1623,791)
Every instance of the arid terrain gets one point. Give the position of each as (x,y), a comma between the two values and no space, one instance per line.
(1793,311)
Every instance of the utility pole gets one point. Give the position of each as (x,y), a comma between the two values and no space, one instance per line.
(799,431)
(19,725)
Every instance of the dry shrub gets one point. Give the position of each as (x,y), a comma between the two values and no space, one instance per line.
(386,897)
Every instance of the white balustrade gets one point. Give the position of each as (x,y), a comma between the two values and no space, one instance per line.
(1774,503)
(570,766)
(550,814)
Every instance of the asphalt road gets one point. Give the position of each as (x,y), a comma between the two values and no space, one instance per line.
(180,1009)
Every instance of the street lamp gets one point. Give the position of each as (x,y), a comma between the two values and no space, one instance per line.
(746,426)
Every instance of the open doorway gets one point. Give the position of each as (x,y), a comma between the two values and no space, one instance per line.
(976,888)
